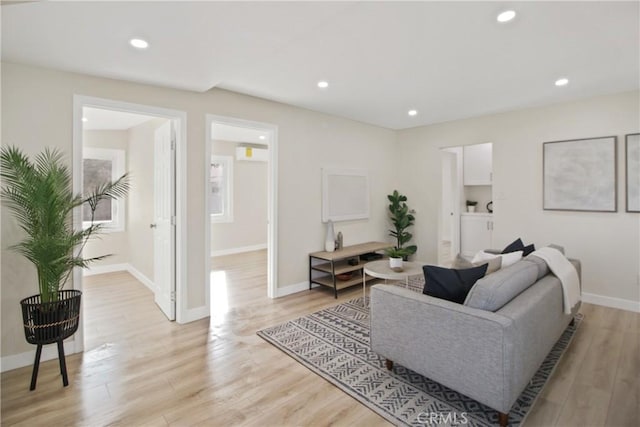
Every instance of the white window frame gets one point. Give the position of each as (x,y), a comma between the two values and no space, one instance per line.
(227,188)
(118,206)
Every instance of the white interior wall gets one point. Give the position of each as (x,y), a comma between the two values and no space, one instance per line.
(249,227)
(606,243)
(307,141)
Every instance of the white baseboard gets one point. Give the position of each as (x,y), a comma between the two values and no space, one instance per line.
(103,269)
(49,352)
(141,277)
(239,250)
(292,289)
(193,314)
(622,304)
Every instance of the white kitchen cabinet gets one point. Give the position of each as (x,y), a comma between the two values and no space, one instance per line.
(478,164)
(476,233)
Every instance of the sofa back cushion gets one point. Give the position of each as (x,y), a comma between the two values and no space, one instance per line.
(492,292)
(542,266)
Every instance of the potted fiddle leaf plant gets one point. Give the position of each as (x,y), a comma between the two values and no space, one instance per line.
(401,219)
(39,193)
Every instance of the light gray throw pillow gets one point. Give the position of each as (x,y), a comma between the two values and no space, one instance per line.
(461,263)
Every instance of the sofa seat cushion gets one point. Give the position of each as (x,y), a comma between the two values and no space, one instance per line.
(452,285)
(494,291)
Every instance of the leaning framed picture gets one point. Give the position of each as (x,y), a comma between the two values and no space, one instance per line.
(580,175)
(632,171)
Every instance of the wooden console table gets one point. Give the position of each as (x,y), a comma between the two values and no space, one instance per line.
(324,267)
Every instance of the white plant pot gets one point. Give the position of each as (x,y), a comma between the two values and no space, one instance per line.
(395,262)
(471,208)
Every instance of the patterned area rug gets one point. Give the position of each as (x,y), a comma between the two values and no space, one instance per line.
(334,343)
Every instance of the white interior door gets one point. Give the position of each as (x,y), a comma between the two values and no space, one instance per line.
(448,169)
(451,169)
(164,220)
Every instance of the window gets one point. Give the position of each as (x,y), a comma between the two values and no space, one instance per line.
(99,166)
(221,179)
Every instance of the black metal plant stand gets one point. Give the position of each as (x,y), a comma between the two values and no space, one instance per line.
(48,323)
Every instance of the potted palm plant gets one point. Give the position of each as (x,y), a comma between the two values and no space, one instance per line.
(401,219)
(40,195)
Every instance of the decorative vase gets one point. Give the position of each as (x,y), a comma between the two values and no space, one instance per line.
(395,263)
(471,208)
(330,240)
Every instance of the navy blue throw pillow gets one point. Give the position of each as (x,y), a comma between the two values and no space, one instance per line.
(514,246)
(517,245)
(449,284)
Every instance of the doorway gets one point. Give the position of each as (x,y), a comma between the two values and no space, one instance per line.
(449,230)
(152,215)
(466,214)
(240,200)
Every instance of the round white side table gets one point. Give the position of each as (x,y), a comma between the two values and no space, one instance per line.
(381,270)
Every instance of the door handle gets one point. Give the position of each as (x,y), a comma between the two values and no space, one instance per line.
(152,225)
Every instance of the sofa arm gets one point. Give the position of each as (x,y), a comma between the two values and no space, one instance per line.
(463,348)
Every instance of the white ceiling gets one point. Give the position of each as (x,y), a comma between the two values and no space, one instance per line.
(448,60)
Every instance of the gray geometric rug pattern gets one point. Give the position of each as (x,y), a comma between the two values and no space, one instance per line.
(334,343)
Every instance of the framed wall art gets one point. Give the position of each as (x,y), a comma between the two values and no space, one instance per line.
(580,175)
(632,171)
(345,194)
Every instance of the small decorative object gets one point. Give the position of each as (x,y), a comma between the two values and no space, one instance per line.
(40,195)
(396,256)
(471,205)
(633,172)
(490,207)
(401,218)
(344,276)
(339,241)
(370,256)
(580,175)
(330,240)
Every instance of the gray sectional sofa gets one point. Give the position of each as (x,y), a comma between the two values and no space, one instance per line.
(487,348)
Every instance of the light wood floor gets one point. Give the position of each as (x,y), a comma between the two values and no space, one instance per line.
(140,369)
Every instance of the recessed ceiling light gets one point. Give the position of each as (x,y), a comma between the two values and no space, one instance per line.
(413,113)
(322,84)
(139,43)
(506,16)
(262,137)
(84,119)
(562,82)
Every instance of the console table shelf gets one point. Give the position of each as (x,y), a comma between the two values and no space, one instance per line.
(324,267)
